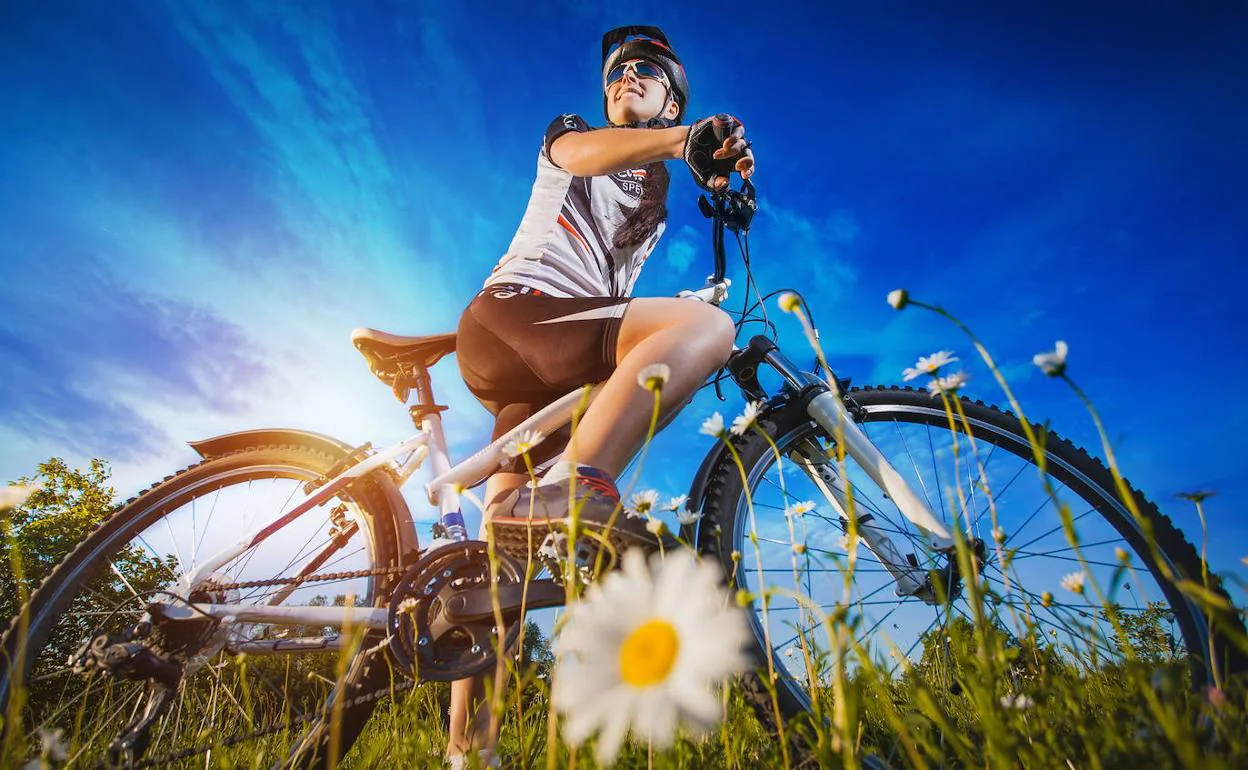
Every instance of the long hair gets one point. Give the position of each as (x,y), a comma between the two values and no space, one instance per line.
(644,219)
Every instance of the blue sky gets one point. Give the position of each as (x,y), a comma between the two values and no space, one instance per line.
(202,199)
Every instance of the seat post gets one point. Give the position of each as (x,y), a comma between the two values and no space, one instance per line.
(425,405)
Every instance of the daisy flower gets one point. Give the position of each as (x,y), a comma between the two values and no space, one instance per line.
(655,527)
(713,425)
(642,503)
(644,651)
(949,383)
(1052,363)
(676,503)
(687,518)
(523,443)
(789,302)
(742,422)
(898,298)
(654,377)
(1073,582)
(929,364)
(799,509)
(1017,702)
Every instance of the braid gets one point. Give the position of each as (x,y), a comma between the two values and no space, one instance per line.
(651,210)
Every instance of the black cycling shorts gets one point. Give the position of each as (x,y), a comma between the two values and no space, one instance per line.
(520,349)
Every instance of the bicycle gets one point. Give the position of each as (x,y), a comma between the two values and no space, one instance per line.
(165,625)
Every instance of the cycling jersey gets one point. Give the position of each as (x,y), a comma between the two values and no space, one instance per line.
(564,246)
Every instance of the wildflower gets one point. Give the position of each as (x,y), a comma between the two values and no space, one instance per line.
(687,518)
(52,749)
(789,302)
(1052,363)
(929,364)
(898,298)
(714,425)
(642,503)
(654,377)
(1195,496)
(743,421)
(799,509)
(1018,702)
(799,548)
(676,503)
(1121,555)
(1073,582)
(1046,599)
(788,653)
(408,605)
(13,496)
(554,546)
(736,557)
(644,651)
(523,443)
(949,383)
(998,535)
(656,527)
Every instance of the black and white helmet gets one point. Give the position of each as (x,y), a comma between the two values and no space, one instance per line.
(649,43)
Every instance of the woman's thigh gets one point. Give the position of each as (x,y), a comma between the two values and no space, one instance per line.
(647,316)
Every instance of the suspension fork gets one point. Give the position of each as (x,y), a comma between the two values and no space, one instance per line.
(827,408)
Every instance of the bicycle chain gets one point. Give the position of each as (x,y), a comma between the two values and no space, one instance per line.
(358,700)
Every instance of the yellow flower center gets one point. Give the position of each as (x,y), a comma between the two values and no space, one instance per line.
(648,654)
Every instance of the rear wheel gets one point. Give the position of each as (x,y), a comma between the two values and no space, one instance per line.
(283,686)
(1008,509)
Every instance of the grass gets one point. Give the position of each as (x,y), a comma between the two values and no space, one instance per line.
(987,690)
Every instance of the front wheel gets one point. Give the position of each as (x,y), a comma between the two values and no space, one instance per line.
(276,684)
(1037,585)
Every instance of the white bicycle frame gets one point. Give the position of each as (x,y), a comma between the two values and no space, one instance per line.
(443,490)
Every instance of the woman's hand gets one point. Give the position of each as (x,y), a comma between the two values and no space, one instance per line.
(715,148)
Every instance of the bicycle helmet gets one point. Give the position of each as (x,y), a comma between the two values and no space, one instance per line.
(640,42)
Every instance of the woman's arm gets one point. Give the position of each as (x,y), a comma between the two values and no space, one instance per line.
(608,150)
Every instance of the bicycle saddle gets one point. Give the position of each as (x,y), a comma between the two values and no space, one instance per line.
(389,354)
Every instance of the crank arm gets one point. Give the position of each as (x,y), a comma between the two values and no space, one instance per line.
(477,604)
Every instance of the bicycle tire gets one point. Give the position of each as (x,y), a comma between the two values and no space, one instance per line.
(721,531)
(51,619)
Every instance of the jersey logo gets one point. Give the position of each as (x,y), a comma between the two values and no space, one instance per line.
(630,180)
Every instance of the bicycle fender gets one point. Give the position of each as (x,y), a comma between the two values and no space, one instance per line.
(383,486)
(216,446)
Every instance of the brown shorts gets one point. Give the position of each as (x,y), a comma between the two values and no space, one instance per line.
(519,350)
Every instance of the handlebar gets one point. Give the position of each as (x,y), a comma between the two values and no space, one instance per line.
(732,210)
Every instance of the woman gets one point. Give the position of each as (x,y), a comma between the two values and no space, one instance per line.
(556,312)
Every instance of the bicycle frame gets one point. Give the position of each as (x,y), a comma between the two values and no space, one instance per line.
(443,491)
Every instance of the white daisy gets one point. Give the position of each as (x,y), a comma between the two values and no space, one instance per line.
(644,651)
(13,496)
(929,364)
(898,298)
(742,422)
(1052,363)
(1017,702)
(1073,582)
(949,383)
(642,503)
(789,302)
(655,527)
(676,503)
(687,518)
(998,534)
(799,509)
(523,443)
(654,377)
(713,425)
(408,605)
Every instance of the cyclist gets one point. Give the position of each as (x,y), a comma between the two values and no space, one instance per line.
(556,312)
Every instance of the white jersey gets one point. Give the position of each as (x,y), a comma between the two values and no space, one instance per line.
(564,245)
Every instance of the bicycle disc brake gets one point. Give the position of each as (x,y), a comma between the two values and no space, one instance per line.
(424,642)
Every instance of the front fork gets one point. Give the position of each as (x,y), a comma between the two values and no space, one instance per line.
(829,411)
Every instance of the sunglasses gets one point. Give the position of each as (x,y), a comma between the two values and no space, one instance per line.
(640,69)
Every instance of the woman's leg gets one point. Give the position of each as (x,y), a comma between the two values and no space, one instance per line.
(473,724)
(693,338)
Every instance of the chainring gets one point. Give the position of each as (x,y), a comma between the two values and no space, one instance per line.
(426,649)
